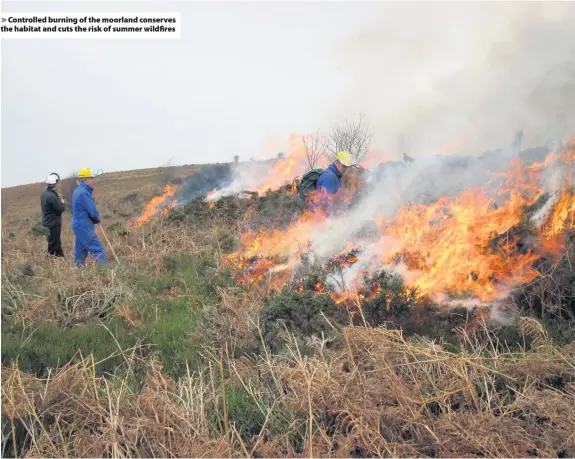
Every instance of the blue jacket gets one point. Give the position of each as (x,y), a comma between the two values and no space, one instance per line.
(330,180)
(84,211)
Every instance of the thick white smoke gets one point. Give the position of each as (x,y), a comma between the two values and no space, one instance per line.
(247,176)
(452,78)
(461,77)
(424,180)
(269,174)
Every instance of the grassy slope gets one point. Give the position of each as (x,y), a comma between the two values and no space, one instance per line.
(24,200)
(166,324)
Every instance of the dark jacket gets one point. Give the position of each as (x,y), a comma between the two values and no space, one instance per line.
(84,212)
(52,208)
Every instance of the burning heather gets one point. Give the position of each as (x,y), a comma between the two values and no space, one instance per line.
(451,227)
(216,182)
(471,243)
(204,181)
(271,175)
(158,203)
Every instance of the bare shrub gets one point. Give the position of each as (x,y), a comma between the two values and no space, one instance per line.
(552,293)
(351,135)
(314,147)
(94,298)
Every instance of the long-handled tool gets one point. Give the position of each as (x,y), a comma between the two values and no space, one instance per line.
(108,241)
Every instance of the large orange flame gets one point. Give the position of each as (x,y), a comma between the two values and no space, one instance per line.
(464,245)
(286,169)
(156,204)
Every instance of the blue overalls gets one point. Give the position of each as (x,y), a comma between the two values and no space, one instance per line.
(85,216)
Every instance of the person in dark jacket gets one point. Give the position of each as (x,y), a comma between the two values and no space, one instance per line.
(85,217)
(52,209)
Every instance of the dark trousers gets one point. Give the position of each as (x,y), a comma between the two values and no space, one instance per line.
(54,241)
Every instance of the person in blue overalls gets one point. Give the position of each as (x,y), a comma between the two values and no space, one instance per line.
(329,182)
(85,217)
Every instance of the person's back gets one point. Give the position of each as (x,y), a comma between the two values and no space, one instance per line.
(52,208)
(330,180)
(84,211)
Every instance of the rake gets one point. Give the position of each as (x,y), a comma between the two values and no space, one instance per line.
(109,244)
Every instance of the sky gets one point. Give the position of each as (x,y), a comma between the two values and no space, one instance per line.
(457,74)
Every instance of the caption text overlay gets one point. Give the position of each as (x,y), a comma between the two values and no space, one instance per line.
(90,25)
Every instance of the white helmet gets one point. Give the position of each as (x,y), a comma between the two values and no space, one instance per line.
(52,179)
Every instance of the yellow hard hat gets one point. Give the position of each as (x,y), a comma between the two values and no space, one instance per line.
(85,173)
(345,158)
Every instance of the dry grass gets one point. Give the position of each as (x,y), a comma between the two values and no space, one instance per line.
(380,395)
(377,394)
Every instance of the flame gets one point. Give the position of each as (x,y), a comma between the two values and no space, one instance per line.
(462,245)
(157,203)
(453,239)
(209,198)
(284,170)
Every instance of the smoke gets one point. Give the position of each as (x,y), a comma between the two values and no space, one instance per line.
(424,180)
(271,174)
(455,79)
(462,77)
(245,177)
(394,185)
(206,179)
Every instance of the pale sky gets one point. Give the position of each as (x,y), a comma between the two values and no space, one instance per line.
(461,73)
(241,73)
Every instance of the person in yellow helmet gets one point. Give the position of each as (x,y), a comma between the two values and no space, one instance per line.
(329,182)
(330,179)
(85,216)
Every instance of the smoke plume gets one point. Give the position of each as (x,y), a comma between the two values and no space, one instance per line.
(462,77)
(206,179)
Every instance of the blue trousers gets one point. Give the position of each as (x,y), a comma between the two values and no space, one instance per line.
(88,243)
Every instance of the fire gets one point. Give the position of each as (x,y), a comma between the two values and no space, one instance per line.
(285,169)
(562,217)
(209,196)
(466,245)
(289,243)
(453,238)
(267,176)
(158,202)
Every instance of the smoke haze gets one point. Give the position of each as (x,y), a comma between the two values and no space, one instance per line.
(462,77)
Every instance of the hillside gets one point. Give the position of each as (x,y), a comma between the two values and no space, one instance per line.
(26,197)
(237,323)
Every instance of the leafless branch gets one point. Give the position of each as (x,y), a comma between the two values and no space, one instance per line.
(351,135)
(314,148)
